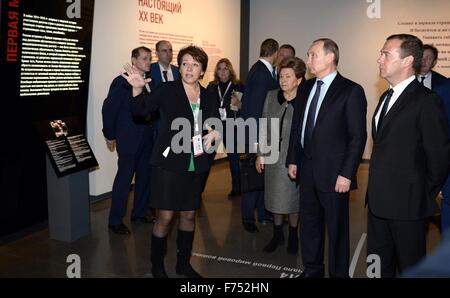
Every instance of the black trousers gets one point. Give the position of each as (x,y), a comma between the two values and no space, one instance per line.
(317,209)
(399,243)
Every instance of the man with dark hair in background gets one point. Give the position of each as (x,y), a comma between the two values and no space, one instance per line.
(427,76)
(260,79)
(285,51)
(133,138)
(410,158)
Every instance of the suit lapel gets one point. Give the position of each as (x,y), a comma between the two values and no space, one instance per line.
(399,104)
(374,131)
(303,100)
(203,99)
(185,104)
(156,75)
(329,97)
(432,81)
(433,77)
(174,72)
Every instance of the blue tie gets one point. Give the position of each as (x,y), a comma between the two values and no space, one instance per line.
(310,121)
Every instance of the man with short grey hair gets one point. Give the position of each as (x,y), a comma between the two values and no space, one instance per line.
(327,141)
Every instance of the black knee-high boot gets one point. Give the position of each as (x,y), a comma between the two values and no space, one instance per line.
(277,239)
(158,251)
(184,244)
(292,241)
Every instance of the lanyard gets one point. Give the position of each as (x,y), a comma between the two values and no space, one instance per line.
(195,113)
(220,93)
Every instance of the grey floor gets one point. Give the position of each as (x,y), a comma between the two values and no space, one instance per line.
(221,247)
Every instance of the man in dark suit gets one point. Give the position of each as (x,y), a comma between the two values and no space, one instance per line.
(427,76)
(162,71)
(133,138)
(444,91)
(432,80)
(327,141)
(260,79)
(410,158)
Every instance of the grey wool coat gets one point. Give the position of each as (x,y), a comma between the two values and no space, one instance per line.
(281,194)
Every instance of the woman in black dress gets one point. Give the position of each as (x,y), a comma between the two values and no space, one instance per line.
(179,159)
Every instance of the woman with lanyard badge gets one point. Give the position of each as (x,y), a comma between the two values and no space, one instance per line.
(178,171)
(226,88)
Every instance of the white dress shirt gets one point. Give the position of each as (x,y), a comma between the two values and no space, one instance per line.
(398,90)
(323,91)
(169,73)
(267,64)
(427,80)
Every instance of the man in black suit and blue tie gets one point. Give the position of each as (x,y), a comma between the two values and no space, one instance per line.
(328,137)
(133,138)
(162,71)
(260,79)
(410,158)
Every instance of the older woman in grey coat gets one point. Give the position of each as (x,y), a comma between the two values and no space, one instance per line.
(281,192)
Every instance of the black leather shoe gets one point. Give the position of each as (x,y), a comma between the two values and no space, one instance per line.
(120,229)
(250,227)
(273,244)
(143,219)
(159,273)
(187,271)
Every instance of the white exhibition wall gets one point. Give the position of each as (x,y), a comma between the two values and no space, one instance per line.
(359,27)
(120,26)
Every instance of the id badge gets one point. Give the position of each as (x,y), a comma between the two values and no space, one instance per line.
(223,114)
(198,144)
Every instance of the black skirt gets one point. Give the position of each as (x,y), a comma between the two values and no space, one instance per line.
(175,191)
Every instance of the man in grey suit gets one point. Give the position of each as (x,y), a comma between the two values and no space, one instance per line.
(410,158)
